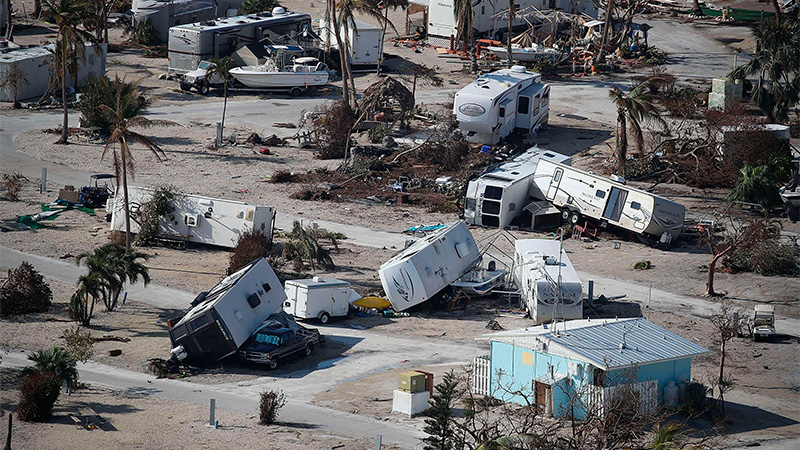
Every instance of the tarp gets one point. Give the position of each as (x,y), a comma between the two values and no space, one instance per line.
(63,205)
(32,220)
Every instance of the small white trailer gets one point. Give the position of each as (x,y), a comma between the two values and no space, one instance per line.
(199,219)
(223,318)
(366,41)
(318,298)
(493,106)
(548,285)
(499,195)
(428,265)
(580,195)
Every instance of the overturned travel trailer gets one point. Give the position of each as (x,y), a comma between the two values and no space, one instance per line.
(428,265)
(191,43)
(493,106)
(222,319)
(499,195)
(549,287)
(198,219)
(582,195)
(164,14)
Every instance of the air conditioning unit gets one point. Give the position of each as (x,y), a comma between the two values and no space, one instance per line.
(191,220)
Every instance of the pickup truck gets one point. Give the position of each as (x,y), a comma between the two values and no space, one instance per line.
(764,322)
(199,79)
(274,341)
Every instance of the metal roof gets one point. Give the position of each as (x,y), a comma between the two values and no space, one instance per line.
(604,343)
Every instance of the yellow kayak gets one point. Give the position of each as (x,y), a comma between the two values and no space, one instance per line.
(372,302)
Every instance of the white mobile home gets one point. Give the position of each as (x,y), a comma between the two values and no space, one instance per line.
(198,219)
(581,194)
(428,265)
(366,42)
(222,319)
(499,195)
(35,63)
(191,43)
(493,106)
(318,298)
(548,284)
(442,22)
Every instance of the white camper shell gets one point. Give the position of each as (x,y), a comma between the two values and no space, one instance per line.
(499,195)
(548,284)
(204,220)
(582,194)
(318,298)
(191,43)
(493,106)
(223,319)
(442,23)
(365,40)
(428,265)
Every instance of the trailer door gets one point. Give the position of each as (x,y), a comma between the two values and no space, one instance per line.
(341,295)
(554,183)
(616,201)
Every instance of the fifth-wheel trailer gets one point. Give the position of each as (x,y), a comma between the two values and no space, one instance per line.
(582,194)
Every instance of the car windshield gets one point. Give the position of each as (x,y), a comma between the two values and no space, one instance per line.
(272,339)
(204,65)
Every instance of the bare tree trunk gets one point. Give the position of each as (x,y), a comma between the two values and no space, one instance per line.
(696,9)
(510,35)
(9,26)
(721,380)
(711,267)
(385,25)
(622,142)
(65,126)
(8,436)
(342,56)
(609,12)
(224,105)
(124,158)
(777,7)
(37,8)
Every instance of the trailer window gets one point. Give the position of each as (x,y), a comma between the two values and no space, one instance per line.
(536,106)
(266,287)
(253,300)
(502,112)
(557,176)
(483,9)
(493,192)
(490,221)
(199,322)
(601,194)
(545,98)
(491,207)
(524,105)
(471,204)
(635,205)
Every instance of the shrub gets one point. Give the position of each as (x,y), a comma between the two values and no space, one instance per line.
(332,127)
(38,394)
(144,33)
(694,400)
(655,57)
(79,344)
(642,265)
(766,256)
(282,176)
(252,244)
(159,207)
(13,184)
(24,292)
(97,91)
(256,6)
(271,402)
(376,134)
(755,185)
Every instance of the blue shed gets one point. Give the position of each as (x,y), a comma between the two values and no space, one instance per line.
(580,365)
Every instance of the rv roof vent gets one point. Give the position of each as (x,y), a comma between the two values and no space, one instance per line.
(617,178)
(241,21)
(515,173)
(518,69)
(485,87)
(208,22)
(317,279)
(278,10)
(550,261)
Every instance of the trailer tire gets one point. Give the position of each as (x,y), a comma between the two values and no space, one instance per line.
(324,318)
(273,363)
(295,92)
(574,217)
(565,215)
(203,89)
(309,349)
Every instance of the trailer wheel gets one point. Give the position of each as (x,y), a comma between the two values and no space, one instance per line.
(324,318)
(273,363)
(203,88)
(564,215)
(309,349)
(574,217)
(295,92)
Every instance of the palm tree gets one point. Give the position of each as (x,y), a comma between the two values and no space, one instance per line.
(128,100)
(222,68)
(606,29)
(633,110)
(114,265)
(465,18)
(666,436)
(386,4)
(304,245)
(777,64)
(129,269)
(70,41)
(57,361)
(510,34)
(343,61)
(90,288)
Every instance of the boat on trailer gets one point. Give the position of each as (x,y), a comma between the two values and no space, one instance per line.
(479,281)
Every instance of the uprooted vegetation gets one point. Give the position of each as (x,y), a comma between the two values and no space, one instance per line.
(25,291)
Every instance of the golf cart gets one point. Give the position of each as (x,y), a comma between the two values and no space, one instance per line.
(97,193)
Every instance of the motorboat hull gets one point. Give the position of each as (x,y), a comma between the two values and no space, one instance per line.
(254,78)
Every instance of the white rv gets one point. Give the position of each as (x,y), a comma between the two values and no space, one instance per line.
(548,285)
(199,219)
(164,14)
(493,106)
(582,194)
(318,298)
(222,319)
(499,195)
(366,42)
(191,43)
(428,265)
(442,21)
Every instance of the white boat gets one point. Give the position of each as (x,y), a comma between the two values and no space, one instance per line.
(305,72)
(532,53)
(480,281)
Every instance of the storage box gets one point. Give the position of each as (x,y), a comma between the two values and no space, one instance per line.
(411,382)
(410,404)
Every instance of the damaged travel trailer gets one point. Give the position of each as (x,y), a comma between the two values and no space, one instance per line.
(548,285)
(318,298)
(498,196)
(428,265)
(498,103)
(365,41)
(224,318)
(582,195)
(198,219)
(191,43)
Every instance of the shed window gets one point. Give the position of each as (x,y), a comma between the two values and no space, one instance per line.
(523,105)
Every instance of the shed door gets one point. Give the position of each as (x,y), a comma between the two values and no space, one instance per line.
(542,393)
